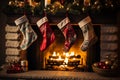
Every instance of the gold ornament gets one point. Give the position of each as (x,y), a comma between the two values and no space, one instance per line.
(108,62)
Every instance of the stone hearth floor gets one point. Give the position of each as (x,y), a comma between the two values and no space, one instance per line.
(54,75)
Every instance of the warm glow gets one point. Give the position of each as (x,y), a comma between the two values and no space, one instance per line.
(66,60)
(72,54)
(60,59)
(54,54)
(47,2)
(58,54)
(74,59)
(67,55)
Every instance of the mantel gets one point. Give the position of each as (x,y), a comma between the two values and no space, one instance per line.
(103,18)
(55,75)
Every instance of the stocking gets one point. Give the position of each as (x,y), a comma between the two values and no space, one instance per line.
(29,36)
(47,33)
(68,32)
(88,33)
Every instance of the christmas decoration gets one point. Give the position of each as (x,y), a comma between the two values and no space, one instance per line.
(14,67)
(56,6)
(47,2)
(53,8)
(46,31)
(88,33)
(74,7)
(87,2)
(111,63)
(68,33)
(29,36)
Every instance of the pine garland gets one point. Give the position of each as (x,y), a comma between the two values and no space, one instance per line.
(72,7)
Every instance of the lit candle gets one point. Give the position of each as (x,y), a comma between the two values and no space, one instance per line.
(47,2)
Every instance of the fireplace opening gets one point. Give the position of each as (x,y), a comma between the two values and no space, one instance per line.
(54,57)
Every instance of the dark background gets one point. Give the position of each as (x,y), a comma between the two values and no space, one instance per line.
(3,20)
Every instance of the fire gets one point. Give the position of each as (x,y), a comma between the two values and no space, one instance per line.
(54,54)
(72,54)
(65,57)
(59,58)
(66,60)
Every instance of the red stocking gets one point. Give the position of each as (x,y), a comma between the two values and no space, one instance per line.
(68,32)
(46,31)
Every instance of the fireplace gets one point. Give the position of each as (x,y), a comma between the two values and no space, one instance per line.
(54,57)
(53,63)
(80,61)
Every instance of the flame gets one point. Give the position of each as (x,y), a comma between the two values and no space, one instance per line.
(67,54)
(72,54)
(59,57)
(66,60)
(58,54)
(74,59)
(54,54)
(65,57)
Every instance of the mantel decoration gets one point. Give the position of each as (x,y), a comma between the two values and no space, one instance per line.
(37,7)
(108,67)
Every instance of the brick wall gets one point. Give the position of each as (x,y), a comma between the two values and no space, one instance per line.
(109,41)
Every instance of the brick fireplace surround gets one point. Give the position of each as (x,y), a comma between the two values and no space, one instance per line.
(66,75)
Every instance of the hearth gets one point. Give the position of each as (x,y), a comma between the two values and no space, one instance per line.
(54,57)
(75,60)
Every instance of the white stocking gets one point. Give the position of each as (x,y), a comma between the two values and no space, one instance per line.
(88,33)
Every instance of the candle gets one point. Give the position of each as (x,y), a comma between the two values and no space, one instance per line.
(47,2)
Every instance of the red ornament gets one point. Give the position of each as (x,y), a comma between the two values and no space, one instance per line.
(101,64)
(105,67)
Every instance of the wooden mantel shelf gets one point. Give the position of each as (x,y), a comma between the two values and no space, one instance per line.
(106,18)
(55,75)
